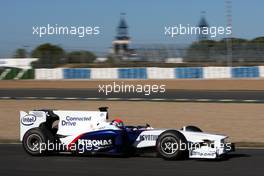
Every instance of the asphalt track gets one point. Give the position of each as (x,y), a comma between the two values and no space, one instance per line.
(14,161)
(169,95)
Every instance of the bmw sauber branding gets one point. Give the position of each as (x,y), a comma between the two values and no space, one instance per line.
(28,120)
(71,121)
(95,144)
(148,137)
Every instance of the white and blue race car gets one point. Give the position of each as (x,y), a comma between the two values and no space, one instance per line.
(88,132)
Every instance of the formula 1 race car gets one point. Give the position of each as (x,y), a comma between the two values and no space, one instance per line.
(45,132)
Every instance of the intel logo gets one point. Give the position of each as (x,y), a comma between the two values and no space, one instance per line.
(28,120)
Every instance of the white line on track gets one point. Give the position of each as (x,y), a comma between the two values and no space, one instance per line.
(134,99)
(227,100)
(71,98)
(158,99)
(92,98)
(181,99)
(137,99)
(205,100)
(6,97)
(250,100)
(113,98)
(47,98)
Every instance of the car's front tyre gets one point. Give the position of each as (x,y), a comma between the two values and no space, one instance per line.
(172,145)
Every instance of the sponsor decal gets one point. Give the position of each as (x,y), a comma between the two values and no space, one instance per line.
(203,153)
(71,121)
(102,127)
(95,144)
(28,119)
(148,137)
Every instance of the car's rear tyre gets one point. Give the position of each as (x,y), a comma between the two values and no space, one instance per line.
(172,145)
(35,141)
(192,128)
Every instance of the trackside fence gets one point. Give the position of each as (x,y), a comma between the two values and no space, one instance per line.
(134,73)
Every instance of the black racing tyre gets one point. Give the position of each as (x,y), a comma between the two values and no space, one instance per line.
(172,145)
(193,128)
(35,141)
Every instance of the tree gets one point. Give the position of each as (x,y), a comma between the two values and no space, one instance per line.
(216,51)
(258,40)
(49,56)
(110,59)
(255,47)
(81,57)
(20,53)
(200,51)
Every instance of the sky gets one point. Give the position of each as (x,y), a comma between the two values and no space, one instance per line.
(146,20)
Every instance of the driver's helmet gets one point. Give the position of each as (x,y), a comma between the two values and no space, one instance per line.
(118,122)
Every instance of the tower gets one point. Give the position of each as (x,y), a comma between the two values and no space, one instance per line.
(122,40)
(229,52)
(203,24)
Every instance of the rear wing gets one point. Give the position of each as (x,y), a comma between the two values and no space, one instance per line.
(30,120)
(70,122)
(77,122)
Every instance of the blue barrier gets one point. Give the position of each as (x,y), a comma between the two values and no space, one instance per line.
(132,73)
(245,72)
(189,72)
(76,73)
(179,73)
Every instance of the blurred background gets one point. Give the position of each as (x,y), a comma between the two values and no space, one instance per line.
(131,35)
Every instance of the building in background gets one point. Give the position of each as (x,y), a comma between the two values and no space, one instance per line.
(122,40)
(203,24)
